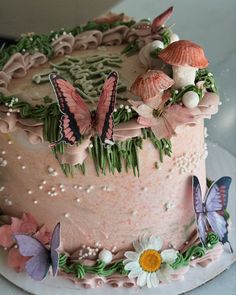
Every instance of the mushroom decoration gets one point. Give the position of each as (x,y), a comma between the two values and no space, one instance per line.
(186,58)
(144,53)
(151,85)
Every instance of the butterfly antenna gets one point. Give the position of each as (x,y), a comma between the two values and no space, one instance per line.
(53,144)
(230,247)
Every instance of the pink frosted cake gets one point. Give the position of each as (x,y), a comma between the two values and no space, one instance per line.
(108,196)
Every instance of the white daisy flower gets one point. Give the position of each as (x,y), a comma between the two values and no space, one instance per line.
(147,263)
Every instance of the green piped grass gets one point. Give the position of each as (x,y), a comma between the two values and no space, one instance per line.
(111,158)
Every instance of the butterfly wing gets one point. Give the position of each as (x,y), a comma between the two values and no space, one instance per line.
(198,208)
(76,119)
(161,19)
(216,203)
(105,108)
(37,267)
(55,244)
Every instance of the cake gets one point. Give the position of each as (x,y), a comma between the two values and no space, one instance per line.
(111,201)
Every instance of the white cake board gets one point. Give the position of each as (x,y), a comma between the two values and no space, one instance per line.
(219,163)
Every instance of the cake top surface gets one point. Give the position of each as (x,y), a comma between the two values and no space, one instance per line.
(147,94)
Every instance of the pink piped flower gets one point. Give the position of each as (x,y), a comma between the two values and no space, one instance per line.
(16,260)
(25,225)
(43,235)
(6,240)
(165,120)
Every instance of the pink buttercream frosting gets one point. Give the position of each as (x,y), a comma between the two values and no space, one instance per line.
(9,122)
(63,45)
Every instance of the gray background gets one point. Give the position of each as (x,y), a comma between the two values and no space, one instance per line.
(210,23)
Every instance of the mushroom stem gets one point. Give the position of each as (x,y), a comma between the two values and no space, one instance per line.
(183,76)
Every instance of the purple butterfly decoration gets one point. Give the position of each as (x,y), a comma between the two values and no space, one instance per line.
(210,212)
(41,258)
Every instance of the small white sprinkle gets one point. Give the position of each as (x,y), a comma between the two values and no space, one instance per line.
(75,186)
(23,167)
(54,173)
(40,187)
(35,202)
(126,107)
(144,189)
(50,169)
(134,213)
(15,246)
(220,103)
(53,188)
(91,145)
(88,190)
(62,189)
(113,249)
(49,193)
(80,187)
(3,152)
(60,42)
(61,186)
(121,106)
(44,182)
(30,192)
(115,110)
(9,142)
(2,188)
(67,215)
(3,163)
(8,202)
(19,157)
(78,200)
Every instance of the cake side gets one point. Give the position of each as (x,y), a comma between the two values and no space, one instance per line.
(114,210)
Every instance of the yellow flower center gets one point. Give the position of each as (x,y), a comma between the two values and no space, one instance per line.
(150,260)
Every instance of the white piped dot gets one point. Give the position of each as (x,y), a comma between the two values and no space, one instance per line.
(10,142)
(23,167)
(35,202)
(2,188)
(67,215)
(19,157)
(30,192)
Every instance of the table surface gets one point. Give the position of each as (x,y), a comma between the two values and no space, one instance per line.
(210,23)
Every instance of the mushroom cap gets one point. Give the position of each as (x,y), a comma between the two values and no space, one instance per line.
(184,53)
(150,84)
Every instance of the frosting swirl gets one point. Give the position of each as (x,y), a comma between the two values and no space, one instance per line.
(114,36)
(63,45)
(88,40)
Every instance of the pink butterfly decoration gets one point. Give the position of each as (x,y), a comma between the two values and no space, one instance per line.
(77,119)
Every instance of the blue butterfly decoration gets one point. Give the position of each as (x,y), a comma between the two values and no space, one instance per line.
(210,212)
